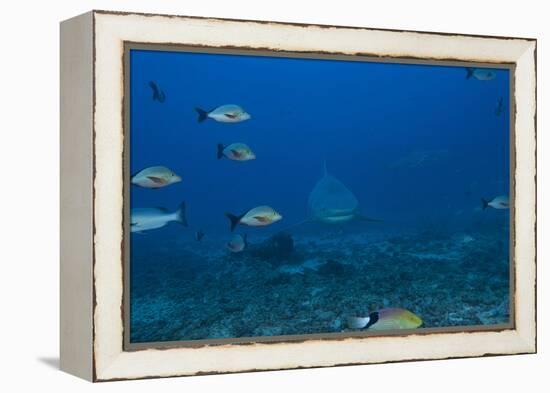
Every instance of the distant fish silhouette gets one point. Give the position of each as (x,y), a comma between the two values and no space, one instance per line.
(158,94)
(420,159)
(500,107)
(237,243)
(481,74)
(500,202)
(199,235)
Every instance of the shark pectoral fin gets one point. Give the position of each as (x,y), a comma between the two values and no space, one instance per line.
(369,219)
(297,224)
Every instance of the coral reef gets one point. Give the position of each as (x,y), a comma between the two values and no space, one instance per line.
(277,249)
(336,269)
(310,284)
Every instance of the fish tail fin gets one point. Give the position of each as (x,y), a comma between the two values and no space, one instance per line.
(220,150)
(153,86)
(203,115)
(292,226)
(181,216)
(245,239)
(469,72)
(234,220)
(484,204)
(132,175)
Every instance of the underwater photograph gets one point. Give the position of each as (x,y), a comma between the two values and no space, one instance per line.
(284,196)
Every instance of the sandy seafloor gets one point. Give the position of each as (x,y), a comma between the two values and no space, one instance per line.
(185,290)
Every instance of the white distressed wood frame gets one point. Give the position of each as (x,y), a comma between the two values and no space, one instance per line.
(92,195)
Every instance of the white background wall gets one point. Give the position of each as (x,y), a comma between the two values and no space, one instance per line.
(29,179)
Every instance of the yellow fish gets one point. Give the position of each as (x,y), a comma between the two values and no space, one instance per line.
(386,319)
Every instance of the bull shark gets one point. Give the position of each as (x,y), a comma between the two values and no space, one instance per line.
(331,202)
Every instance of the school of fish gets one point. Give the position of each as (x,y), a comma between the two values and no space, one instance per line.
(329,202)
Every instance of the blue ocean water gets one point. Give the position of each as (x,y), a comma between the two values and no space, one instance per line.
(418,145)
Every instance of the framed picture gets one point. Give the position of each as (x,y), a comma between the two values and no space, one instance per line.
(245,195)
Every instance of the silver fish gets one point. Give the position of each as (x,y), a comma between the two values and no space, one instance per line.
(236,152)
(482,74)
(500,202)
(145,219)
(237,243)
(257,217)
(155,177)
(225,114)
